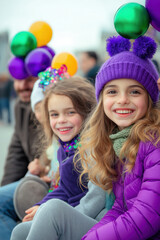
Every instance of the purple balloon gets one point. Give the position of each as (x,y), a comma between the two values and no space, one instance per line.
(153,7)
(50,50)
(17,69)
(37,61)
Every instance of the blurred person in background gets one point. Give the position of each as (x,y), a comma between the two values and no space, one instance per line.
(88,63)
(156,64)
(6,93)
(21,152)
(158,69)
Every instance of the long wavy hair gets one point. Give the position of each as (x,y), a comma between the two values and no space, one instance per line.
(79,90)
(96,149)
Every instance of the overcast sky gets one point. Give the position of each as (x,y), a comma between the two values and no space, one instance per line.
(76,24)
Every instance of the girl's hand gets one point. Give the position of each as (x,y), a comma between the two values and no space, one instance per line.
(35,167)
(30,214)
(46,179)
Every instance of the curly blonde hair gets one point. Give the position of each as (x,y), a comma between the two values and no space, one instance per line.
(96,149)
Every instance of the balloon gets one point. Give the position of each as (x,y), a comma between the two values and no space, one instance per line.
(131,20)
(153,7)
(42,31)
(66,59)
(22,43)
(16,67)
(50,50)
(37,61)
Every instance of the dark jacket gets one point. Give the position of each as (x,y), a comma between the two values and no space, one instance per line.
(69,189)
(135,214)
(22,147)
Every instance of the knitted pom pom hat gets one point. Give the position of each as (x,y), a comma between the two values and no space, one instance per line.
(37,94)
(134,65)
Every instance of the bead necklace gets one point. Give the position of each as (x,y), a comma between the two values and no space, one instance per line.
(73,144)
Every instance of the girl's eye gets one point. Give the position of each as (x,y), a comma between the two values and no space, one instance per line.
(111,92)
(71,112)
(54,114)
(135,92)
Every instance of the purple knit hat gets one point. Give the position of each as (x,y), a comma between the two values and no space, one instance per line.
(133,65)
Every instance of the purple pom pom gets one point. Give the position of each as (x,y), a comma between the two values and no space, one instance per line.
(117,44)
(144,47)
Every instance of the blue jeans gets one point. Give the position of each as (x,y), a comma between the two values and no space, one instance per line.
(8,216)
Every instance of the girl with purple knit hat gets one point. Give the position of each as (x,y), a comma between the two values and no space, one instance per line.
(126,149)
(119,151)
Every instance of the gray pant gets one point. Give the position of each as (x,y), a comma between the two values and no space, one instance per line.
(54,220)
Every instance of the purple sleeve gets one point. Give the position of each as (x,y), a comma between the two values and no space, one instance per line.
(69,189)
(142,220)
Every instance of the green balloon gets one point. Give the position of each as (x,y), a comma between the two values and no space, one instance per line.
(22,43)
(131,20)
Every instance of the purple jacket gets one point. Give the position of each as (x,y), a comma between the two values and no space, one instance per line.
(69,189)
(135,214)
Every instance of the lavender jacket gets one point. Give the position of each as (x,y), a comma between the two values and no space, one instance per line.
(69,189)
(135,214)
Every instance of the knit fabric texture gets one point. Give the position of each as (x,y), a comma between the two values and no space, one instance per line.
(127,65)
(119,138)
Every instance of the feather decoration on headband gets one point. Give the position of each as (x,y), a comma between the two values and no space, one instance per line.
(52,75)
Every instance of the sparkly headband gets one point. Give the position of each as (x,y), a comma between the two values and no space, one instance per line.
(52,75)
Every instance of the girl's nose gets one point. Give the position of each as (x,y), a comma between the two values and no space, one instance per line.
(123,99)
(62,118)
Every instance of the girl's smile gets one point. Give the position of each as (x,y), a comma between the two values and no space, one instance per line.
(64,130)
(64,120)
(123,112)
(125,101)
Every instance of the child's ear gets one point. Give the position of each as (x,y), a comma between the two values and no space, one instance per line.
(158,82)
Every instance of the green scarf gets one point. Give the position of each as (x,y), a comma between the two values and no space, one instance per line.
(119,138)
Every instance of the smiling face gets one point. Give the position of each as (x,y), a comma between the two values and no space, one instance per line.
(65,122)
(125,101)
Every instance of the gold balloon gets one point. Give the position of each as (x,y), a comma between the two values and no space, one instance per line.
(65,59)
(42,31)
